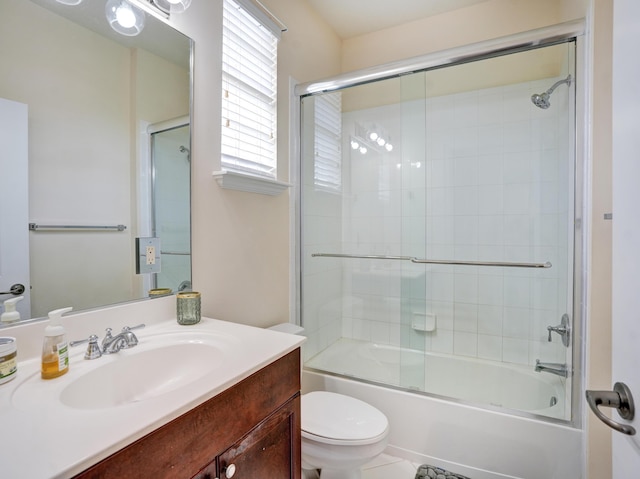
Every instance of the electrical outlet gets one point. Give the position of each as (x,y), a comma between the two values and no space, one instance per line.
(151,255)
(148,258)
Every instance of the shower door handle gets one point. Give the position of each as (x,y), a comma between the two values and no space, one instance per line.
(621,399)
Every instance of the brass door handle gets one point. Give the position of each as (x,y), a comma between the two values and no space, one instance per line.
(621,399)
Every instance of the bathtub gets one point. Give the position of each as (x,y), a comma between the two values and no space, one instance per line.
(481,442)
(472,380)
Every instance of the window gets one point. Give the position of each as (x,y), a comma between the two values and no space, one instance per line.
(327,165)
(249,61)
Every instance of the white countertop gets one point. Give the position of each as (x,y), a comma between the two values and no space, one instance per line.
(42,437)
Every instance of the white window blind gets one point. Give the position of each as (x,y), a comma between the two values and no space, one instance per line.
(249,65)
(328,137)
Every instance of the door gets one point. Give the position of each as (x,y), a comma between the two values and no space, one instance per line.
(14,201)
(626,225)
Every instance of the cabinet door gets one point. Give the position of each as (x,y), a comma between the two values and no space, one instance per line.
(270,450)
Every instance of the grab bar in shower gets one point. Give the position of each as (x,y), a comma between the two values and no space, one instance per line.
(37,227)
(437,261)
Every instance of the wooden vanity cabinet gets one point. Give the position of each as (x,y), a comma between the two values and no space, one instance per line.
(254,425)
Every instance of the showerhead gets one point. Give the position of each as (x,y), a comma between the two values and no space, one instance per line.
(542,100)
(184,149)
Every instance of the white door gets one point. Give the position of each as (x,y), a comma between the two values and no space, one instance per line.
(14,199)
(626,226)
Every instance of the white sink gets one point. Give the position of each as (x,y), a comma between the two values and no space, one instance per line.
(142,375)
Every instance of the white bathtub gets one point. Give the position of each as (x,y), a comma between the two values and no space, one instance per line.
(471,380)
(478,442)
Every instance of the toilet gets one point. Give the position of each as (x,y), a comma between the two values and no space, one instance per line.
(340,434)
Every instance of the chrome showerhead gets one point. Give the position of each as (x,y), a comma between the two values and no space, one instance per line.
(184,149)
(542,100)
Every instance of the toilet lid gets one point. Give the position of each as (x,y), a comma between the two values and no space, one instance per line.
(341,417)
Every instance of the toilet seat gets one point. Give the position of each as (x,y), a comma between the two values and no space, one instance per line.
(333,418)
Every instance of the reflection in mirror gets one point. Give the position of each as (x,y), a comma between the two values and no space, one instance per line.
(91,113)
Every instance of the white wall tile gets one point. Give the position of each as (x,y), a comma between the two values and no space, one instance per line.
(490,347)
(465,344)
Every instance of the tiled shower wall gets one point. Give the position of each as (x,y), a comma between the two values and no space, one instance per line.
(482,175)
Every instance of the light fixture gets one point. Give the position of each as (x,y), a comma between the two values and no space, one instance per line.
(354,145)
(373,136)
(363,150)
(124,18)
(388,147)
(69,2)
(172,6)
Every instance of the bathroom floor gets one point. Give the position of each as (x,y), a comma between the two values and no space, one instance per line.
(383,467)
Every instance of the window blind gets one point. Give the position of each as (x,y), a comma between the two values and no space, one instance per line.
(328,135)
(249,65)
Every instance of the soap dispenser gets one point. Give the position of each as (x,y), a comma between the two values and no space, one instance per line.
(55,349)
(10,314)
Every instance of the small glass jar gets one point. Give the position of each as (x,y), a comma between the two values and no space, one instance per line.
(8,359)
(188,310)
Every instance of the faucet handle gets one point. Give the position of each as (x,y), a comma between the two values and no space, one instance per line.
(130,338)
(93,350)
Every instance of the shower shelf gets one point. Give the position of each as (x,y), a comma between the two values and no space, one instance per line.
(507,264)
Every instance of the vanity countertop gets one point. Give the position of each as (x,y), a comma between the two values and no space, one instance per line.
(47,436)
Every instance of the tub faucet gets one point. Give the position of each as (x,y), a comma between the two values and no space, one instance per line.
(553,368)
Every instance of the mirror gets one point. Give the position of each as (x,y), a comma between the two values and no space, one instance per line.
(106,123)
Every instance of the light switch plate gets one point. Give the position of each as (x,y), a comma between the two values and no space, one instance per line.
(147,255)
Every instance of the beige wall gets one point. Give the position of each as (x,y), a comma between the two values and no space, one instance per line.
(241,240)
(599,453)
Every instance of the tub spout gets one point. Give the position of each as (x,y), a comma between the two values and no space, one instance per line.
(553,368)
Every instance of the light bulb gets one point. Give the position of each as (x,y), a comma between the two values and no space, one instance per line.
(363,150)
(380,141)
(355,145)
(388,147)
(373,136)
(124,18)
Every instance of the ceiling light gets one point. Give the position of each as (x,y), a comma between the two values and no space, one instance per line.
(69,2)
(373,136)
(355,145)
(172,6)
(381,141)
(124,18)
(388,147)
(363,150)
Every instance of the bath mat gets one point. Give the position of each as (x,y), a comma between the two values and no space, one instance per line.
(432,472)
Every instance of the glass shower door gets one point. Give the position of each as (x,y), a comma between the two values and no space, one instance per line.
(171,166)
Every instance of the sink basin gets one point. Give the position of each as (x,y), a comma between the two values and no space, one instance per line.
(142,375)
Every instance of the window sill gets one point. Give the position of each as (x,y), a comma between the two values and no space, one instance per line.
(252,184)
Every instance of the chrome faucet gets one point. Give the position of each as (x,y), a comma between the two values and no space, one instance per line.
(553,368)
(125,339)
(110,344)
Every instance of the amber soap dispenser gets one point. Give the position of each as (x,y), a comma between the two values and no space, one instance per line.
(55,349)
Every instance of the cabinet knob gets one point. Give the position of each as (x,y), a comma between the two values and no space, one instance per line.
(230,471)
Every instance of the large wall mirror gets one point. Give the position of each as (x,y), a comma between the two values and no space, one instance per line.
(95,134)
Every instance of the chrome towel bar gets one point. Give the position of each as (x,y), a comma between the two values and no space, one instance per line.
(437,261)
(37,227)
